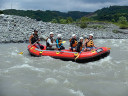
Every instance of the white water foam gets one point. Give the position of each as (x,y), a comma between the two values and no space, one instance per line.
(76,93)
(51,81)
(26,66)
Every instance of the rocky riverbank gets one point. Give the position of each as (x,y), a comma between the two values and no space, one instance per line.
(18,29)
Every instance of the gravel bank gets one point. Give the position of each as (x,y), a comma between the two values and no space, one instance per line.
(18,29)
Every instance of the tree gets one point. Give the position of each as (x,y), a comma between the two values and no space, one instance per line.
(84,19)
(83,25)
(69,20)
(83,22)
(54,21)
(1,12)
(63,21)
(122,20)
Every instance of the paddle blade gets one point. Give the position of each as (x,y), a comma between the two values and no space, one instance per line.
(77,57)
(108,48)
(64,42)
(21,53)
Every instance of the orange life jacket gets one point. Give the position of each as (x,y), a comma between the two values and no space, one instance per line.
(90,43)
(81,47)
(74,44)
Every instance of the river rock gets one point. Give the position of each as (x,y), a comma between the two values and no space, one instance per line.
(18,29)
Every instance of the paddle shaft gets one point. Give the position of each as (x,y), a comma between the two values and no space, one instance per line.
(28,48)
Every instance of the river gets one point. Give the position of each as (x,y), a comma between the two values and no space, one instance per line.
(23,75)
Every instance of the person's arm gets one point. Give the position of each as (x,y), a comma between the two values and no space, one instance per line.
(51,44)
(94,46)
(85,43)
(57,42)
(30,39)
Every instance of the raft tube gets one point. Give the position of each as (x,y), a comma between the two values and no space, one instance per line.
(68,55)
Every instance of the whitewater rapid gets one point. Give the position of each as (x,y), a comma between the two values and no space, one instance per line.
(23,75)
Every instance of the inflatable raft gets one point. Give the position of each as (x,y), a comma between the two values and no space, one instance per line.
(88,56)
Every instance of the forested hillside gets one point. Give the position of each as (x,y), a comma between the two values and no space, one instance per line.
(47,15)
(111,13)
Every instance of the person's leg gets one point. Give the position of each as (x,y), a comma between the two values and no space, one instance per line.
(41,47)
(37,45)
(49,48)
(88,48)
(62,48)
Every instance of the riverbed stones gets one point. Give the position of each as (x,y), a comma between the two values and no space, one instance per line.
(18,29)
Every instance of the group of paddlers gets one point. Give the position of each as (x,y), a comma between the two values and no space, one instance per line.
(81,45)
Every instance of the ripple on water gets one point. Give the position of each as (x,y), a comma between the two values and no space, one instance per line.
(51,81)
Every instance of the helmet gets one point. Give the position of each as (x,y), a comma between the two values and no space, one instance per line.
(90,34)
(51,33)
(73,35)
(59,35)
(81,38)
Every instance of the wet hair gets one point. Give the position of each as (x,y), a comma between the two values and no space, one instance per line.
(35,31)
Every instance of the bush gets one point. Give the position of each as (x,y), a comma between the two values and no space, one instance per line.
(115,31)
(96,26)
(63,21)
(123,26)
(69,20)
(122,20)
(54,21)
(83,25)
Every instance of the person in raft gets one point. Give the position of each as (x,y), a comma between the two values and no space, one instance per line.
(80,45)
(89,44)
(34,40)
(50,42)
(73,42)
(59,43)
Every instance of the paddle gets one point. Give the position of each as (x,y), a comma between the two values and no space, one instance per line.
(28,48)
(108,48)
(82,51)
(63,42)
(79,54)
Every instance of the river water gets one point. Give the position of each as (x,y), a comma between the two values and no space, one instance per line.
(23,75)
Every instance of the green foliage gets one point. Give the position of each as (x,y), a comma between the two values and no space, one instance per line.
(122,20)
(113,20)
(63,21)
(47,15)
(69,20)
(115,31)
(123,26)
(83,25)
(82,22)
(111,13)
(1,12)
(54,21)
(84,19)
(97,26)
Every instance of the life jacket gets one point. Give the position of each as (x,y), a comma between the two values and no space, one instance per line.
(59,41)
(73,44)
(79,47)
(34,38)
(47,43)
(90,43)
